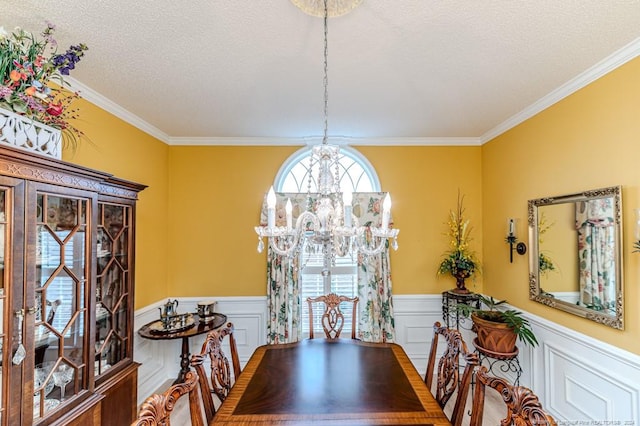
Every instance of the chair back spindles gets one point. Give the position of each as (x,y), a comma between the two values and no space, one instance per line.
(156,409)
(332,318)
(523,406)
(448,373)
(221,377)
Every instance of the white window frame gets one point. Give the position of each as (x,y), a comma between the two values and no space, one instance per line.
(349,178)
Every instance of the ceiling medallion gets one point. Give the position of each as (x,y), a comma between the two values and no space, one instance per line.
(334,7)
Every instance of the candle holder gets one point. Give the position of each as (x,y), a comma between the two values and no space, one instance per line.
(512,240)
(636,243)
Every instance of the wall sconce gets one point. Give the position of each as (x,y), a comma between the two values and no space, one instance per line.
(636,244)
(520,247)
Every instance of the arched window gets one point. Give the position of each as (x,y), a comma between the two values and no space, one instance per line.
(356,174)
(355,171)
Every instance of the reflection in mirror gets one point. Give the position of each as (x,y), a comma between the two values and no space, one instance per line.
(575,260)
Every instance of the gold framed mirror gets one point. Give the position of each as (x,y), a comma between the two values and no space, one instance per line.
(575,256)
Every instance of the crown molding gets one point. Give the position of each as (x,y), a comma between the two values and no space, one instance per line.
(111,107)
(617,59)
(415,141)
(336,140)
(234,141)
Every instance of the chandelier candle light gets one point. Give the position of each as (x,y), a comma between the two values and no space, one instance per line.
(328,225)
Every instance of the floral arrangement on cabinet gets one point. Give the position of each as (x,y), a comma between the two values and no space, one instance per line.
(460,262)
(27,67)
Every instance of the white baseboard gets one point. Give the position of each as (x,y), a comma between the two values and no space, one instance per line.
(577,378)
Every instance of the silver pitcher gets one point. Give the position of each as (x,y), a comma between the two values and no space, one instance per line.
(168,310)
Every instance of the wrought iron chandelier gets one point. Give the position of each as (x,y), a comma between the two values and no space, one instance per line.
(328,225)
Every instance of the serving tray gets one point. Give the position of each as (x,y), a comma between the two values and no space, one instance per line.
(159,328)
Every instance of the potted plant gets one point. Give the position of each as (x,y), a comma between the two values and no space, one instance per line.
(460,262)
(498,330)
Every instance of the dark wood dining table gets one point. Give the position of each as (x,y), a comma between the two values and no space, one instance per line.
(330,382)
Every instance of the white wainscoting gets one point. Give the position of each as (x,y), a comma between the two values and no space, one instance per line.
(414,318)
(578,378)
(160,359)
(583,379)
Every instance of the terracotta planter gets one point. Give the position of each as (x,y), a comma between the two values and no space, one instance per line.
(494,336)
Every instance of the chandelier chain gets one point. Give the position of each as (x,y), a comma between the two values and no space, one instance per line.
(325,80)
(309,202)
(328,225)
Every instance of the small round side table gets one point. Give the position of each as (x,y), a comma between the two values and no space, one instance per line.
(200,327)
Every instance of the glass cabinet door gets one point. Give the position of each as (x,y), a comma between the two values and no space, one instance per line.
(3,298)
(112,286)
(66,293)
(61,286)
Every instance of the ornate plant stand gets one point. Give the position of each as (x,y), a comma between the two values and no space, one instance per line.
(451,316)
(499,363)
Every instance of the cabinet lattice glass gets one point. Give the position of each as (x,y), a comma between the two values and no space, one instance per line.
(61,281)
(112,293)
(66,293)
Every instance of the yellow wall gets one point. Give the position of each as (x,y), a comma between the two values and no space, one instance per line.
(588,140)
(424,184)
(195,221)
(216,194)
(128,153)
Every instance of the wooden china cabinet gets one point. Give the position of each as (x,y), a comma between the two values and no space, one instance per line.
(67,237)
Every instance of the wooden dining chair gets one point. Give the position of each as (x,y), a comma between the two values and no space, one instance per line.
(523,406)
(448,374)
(157,409)
(220,379)
(332,318)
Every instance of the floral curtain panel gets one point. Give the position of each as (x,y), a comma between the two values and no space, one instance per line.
(375,310)
(375,316)
(283,279)
(596,253)
(283,299)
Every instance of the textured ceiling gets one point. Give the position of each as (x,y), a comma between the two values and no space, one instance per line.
(247,69)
